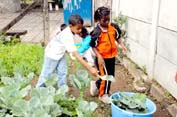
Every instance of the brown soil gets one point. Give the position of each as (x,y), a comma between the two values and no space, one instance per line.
(123,83)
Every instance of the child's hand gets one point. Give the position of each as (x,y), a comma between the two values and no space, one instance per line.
(101,61)
(72,57)
(124,50)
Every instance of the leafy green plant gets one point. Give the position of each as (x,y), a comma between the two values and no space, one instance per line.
(121,20)
(8,41)
(144,69)
(22,58)
(108,78)
(14,40)
(80,81)
(134,103)
(86,109)
(13,91)
(42,101)
(2,38)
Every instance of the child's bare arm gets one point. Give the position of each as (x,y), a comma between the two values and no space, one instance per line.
(100,58)
(92,70)
(122,45)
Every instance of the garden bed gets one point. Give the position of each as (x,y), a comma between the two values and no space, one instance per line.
(124,82)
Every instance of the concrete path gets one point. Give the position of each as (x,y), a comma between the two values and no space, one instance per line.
(33,23)
(5,19)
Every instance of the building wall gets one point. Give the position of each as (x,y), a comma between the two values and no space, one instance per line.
(81,7)
(152,35)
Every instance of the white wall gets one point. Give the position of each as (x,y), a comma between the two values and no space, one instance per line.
(138,9)
(167,45)
(166,60)
(138,27)
(152,35)
(138,39)
(168,15)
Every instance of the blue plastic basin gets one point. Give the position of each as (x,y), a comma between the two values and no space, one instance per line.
(118,112)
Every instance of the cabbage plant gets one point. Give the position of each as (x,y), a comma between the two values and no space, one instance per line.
(41,102)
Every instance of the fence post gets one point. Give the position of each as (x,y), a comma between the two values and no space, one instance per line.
(45,22)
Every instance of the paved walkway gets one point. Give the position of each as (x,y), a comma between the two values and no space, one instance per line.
(5,19)
(33,23)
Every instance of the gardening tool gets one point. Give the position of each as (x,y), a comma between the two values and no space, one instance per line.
(106,76)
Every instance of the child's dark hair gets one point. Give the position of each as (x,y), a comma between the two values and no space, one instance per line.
(100,12)
(63,26)
(84,32)
(75,19)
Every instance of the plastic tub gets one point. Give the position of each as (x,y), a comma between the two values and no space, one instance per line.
(118,112)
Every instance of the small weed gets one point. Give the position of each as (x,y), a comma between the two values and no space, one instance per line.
(167,94)
(144,69)
(121,20)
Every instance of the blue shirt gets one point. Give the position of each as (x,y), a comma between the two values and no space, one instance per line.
(84,45)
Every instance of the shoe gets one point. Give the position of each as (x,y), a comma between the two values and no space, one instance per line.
(105,98)
(93,89)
